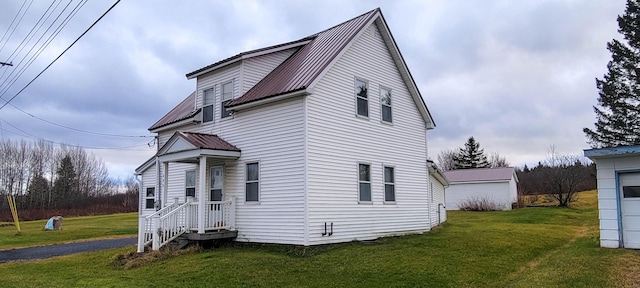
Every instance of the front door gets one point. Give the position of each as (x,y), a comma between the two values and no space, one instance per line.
(630,204)
(216,194)
(216,183)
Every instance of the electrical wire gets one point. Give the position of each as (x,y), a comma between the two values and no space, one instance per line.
(32,136)
(56,59)
(17,24)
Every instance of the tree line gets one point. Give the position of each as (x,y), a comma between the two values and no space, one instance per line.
(46,178)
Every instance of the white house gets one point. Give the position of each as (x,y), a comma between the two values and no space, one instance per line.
(495,185)
(314,141)
(437,184)
(618,195)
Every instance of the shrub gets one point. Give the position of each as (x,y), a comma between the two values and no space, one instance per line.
(480,204)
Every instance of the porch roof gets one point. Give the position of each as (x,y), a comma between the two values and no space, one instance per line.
(189,146)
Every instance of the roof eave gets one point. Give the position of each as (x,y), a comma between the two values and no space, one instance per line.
(263,101)
(184,122)
(621,151)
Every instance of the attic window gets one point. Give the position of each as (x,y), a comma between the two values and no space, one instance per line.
(207,105)
(362,100)
(227,95)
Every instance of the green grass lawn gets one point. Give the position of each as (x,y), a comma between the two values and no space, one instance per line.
(531,247)
(73,229)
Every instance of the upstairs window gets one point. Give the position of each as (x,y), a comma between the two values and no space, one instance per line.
(364,182)
(190,183)
(150,198)
(362,100)
(385,101)
(389,184)
(207,105)
(227,95)
(252,182)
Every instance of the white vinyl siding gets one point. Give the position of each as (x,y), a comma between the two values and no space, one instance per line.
(436,189)
(335,143)
(499,193)
(254,69)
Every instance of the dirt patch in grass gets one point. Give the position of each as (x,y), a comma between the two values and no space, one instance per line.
(626,270)
(134,259)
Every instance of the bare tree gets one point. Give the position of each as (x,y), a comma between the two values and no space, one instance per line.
(563,175)
(495,160)
(446,159)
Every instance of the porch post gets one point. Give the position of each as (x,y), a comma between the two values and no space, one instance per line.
(201,193)
(165,187)
(142,229)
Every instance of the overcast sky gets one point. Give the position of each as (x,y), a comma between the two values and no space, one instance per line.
(519,76)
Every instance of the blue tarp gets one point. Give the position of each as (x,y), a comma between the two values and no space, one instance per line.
(49,225)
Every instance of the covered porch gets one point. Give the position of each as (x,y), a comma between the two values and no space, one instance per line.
(205,213)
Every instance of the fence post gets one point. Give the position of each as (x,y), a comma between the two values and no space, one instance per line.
(142,229)
(155,233)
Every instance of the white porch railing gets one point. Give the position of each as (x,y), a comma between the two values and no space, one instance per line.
(170,222)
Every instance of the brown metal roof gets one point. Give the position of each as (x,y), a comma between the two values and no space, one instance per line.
(208,141)
(305,65)
(480,174)
(184,110)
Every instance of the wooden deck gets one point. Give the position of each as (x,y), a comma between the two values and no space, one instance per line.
(211,235)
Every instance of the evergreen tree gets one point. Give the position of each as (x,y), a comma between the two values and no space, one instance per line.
(471,156)
(618,111)
(65,186)
(39,191)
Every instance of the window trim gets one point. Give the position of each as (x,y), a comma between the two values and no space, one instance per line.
(147,198)
(195,183)
(360,201)
(247,181)
(357,97)
(212,105)
(223,110)
(382,105)
(385,183)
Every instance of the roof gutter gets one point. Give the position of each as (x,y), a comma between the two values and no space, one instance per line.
(302,92)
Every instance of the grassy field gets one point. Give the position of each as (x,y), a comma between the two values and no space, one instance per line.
(531,247)
(73,229)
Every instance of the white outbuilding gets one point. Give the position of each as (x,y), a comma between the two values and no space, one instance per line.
(497,186)
(618,195)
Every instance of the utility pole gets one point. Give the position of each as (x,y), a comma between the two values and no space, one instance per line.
(6,64)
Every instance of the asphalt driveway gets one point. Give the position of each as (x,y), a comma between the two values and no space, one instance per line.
(42,252)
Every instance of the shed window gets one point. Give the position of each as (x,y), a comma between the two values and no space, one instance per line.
(227,95)
(364,182)
(252,182)
(362,100)
(150,198)
(631,191)
(190,183)
(207,105)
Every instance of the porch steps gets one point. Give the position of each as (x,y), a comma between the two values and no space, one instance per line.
(185,239)
(181,242)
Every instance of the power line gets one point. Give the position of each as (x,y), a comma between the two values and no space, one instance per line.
(65,50)
(76,129)
(14,27)
(32,136)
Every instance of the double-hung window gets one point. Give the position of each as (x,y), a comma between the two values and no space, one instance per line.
(252,182)
(385,101)
(207,104)
(227,95)
(190,183)
(362,99)
(389,184)
(364,182)
(150,198)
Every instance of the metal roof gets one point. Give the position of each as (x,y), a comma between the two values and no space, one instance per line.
(207,141)
(183,111)
(480,174)
(612,152)
(305,65)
